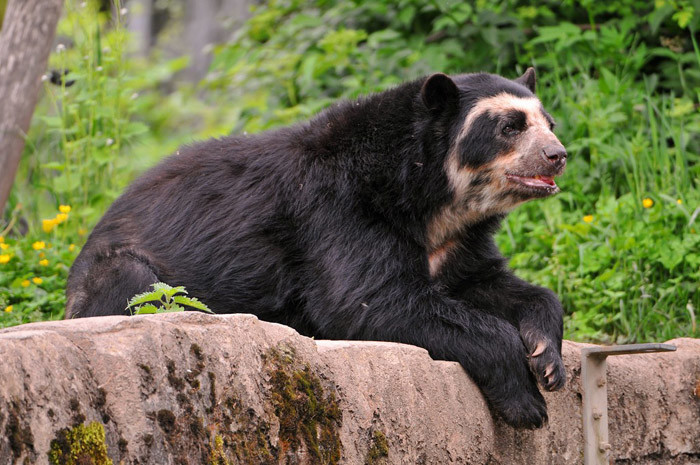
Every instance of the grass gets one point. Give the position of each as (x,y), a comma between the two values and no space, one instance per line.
(619,245)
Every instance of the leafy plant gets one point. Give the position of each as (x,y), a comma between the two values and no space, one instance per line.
(34,269)
(164,299)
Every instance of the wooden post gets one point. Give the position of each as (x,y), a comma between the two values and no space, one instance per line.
(26,38)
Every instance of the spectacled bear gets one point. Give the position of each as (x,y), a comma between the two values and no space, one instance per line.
(373,220)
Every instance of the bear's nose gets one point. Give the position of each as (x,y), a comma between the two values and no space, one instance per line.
(554,153)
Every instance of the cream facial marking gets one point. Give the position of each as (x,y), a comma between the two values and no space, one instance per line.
(538,130)
(502,103)
(454,217)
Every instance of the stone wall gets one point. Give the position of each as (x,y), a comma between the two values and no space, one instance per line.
(201,389)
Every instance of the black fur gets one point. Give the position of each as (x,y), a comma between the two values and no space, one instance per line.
(480,146)
(322,226)
(528,79)
(438,91)
(515,122)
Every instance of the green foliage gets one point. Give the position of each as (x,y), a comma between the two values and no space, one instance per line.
(167,300)
(624,272)
(34,269)
(88,125)
(621,77)
(293,57)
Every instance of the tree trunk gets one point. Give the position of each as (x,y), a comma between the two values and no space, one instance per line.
(209,22)
(201,29)
(139,22)
(25,44)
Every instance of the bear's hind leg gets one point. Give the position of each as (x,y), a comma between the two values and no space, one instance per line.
(105,285)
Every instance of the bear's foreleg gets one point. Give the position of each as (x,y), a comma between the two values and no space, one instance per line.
(379,292)
(537,314)
(489,348)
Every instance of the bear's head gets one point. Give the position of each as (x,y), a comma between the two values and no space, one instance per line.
(502,150)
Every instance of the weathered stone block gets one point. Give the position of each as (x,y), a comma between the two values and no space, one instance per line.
(202,389)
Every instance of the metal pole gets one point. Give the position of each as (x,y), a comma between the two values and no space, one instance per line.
(596,444)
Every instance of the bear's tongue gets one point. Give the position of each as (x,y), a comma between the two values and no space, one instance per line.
(536,181)
(546,179)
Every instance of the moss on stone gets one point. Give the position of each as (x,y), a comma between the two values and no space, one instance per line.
(146,369)
(166,420)
(122,445)
(80,445)
(78,416)
(100,403)
(175,381)
(197,428)
(212,391)
(193,373)
(218,454)
(308,417)
(378,449)
(19,435)
(147,439)
(245,435)
(224,431)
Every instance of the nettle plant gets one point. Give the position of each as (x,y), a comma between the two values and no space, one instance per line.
(164,299)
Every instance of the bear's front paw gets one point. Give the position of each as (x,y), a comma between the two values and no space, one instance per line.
(525,409)
(546,363)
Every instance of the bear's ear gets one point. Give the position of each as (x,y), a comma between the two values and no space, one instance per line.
(439,91)
(528,79)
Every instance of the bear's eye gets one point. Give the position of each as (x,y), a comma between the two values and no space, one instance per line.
(510,130)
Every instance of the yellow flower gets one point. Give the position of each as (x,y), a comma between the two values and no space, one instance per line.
(8,309)
(42,255)
(38,245)
(48,225)
(25,283)
(64,208)
(2,239)
(647,203)
(4,246)
(679,201)
(71,247)
(44,262)
(60,218)
(37,280)
(4,258)
(82,231)
(588,218)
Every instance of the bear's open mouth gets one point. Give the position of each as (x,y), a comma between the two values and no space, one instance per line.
(539,182)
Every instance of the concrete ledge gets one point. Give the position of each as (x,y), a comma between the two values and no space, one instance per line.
(195,388)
